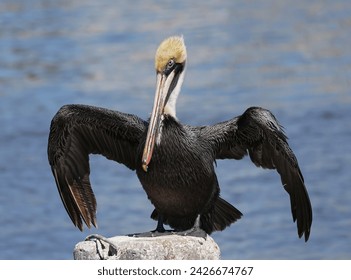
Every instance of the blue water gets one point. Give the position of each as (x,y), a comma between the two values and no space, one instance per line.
(292,57)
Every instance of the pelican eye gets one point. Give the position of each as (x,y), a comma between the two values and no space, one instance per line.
(169,66)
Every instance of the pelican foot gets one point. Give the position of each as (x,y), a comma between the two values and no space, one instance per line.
(153,233)
(194,231)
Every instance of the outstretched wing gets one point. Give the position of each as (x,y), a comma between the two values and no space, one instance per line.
(77,131)
(258,133)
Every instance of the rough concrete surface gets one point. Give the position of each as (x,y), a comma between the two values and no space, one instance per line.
(168,247)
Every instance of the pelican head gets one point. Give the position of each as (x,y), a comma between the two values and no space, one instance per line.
(170,62)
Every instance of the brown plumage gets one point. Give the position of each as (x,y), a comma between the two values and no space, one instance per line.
(174,162)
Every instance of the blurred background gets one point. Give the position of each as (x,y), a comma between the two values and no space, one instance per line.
(291,57)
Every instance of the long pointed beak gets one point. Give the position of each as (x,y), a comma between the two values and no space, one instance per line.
(155,120)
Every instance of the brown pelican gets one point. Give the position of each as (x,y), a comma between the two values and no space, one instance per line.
(174,162)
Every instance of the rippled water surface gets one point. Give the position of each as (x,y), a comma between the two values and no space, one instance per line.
(292,57)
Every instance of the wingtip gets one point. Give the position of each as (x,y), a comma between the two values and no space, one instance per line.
(79,224)
(305,233)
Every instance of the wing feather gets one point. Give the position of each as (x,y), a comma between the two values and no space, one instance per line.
(258,133)
(77,131)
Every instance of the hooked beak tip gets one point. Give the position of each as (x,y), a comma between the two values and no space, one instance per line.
(145,166)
